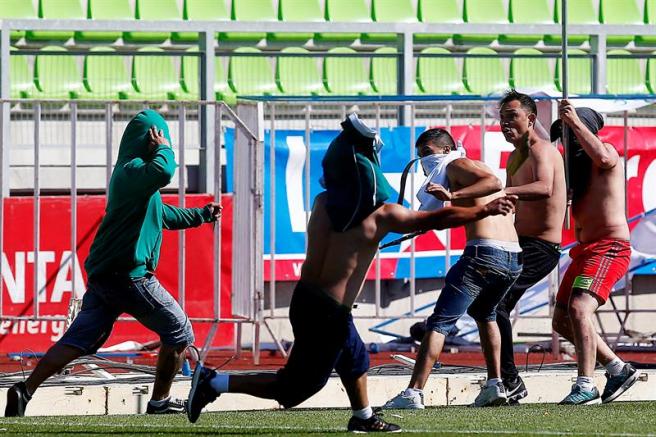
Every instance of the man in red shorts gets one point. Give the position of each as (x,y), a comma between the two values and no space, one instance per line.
(599,260)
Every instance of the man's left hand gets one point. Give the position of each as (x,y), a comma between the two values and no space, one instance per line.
(438,191)
(215,211)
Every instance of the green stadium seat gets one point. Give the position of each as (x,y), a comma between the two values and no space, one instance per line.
(383,72)
(152,10)
(579,74)
(251,75)
(438,76)
(389,11)
(345,75)
(105,10)
(298,76)
(349,11)
(483,12)
(619,12)
(153,77)
(623,75)
(214,10)
(531,73)
(578,12)
(16,9)
(296,10)
(52,9)
(105,76)
(651,73)
(650,19)
(437,11)
(533,12)
(21,85)
(57,76)
(190,79)
(249,10)
(483,75)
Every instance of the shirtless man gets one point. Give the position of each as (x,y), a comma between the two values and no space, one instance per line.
(599,260)
(344,231)
(536,175)
(488,267)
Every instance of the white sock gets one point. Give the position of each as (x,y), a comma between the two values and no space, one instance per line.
(585,382)
(615,367)
(492,381)
(364,413)
(413,391)
(220,382)
(159,403)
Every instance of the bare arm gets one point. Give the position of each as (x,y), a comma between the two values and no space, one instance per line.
(543,171)
(476,180)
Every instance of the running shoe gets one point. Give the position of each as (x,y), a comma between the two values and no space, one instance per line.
(515,390)
(406,401)
(17,399)
(579,396)
(491,396)
(171,406)
(618,384)
(201,392)
(372,424)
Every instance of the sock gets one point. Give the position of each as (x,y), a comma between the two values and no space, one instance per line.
(615,367)
(585,382)
(413,391)
(220,383)
(364,413)
(492,381)
(159,403)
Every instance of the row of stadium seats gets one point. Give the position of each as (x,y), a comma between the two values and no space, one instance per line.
(154,77)
(428,11)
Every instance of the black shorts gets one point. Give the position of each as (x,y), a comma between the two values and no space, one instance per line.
(325,338)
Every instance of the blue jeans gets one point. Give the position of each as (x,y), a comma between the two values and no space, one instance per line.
(107,297)
(475,284)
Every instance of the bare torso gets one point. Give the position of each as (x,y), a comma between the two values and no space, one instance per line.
(541,218)
(600,212)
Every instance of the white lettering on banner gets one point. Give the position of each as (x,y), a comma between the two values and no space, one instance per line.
(33,327)
(294,182)
(495,145)
(296,266)
(648,184)
(15,282)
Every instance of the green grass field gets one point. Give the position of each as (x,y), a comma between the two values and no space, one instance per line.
(618,419)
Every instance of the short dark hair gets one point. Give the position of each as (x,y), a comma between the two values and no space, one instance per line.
(436,136)
(527,102)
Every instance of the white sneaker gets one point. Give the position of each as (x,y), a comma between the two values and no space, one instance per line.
(491,396)
(406,401)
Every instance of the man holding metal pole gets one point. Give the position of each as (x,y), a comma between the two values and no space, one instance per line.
(535,174)
(347,223)
(600,259)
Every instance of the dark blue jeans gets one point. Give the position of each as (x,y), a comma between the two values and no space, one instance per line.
(475,284)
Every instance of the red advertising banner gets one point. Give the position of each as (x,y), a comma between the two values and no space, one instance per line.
(54,266)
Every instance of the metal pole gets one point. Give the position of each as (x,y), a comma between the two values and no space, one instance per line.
(308,108)
(206,42)
(108,146)
(377,290)
(564,86)
(37,210)
(627,282)
(272,212)
(218,188)
(181,204)
(73,198)
(447,248)
(412,206)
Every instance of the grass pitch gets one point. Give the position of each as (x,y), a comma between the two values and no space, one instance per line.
(617,419)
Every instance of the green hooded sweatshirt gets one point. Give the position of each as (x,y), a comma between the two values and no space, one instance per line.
(130,235)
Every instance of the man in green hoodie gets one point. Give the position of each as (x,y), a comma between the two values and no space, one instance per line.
(121,263)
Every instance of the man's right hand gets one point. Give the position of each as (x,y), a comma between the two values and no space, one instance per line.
(501,205)
(156,138)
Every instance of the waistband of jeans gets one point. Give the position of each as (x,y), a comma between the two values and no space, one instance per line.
(506,246)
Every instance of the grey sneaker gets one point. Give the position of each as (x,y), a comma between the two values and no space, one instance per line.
(618,384)
(491,396)
(578,396)
(403,401)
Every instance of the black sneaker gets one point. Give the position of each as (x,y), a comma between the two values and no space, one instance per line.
(171,406)
(515,390)
(618,384)
(201,392)
(372,424)
(17,399)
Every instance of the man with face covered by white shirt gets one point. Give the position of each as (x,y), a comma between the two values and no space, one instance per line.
(488,267)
